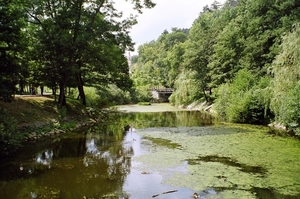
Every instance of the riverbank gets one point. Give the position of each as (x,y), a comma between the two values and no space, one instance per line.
(31,118)
(275,127)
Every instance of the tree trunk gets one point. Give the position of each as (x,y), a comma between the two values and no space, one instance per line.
(80,88)
(62,97)
(204,91)
(21,86)
(205,96)
(54,92)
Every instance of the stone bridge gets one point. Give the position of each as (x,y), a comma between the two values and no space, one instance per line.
(161,94)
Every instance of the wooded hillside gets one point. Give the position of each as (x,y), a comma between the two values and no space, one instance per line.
(242,56)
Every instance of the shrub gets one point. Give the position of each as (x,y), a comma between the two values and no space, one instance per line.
(144,103)
(289,111)
(10,138)
(66,126)
(243,100)
(142,94)
(94,97)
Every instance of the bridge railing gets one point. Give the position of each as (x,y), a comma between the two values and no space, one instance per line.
(163,90)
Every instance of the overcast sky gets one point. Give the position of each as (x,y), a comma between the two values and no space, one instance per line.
(164,16)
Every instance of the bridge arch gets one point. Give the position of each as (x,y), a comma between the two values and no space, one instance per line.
(161,94)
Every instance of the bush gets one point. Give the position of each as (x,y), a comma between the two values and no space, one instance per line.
(10,138)
(144,103)
(118,96)
(223,100)
(93,96)
(289,111)
(104,96)
(244,100)
(66,126)
(142,94)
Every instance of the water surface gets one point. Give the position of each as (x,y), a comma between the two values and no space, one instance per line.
(169,153)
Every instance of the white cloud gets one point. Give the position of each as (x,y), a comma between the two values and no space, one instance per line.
(164,16)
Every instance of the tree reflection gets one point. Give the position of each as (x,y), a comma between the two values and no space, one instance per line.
(168,119)
(44,158)
(93,163)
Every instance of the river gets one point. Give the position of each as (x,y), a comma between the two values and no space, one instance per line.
(167,153)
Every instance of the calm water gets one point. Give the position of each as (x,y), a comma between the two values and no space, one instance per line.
(106,161)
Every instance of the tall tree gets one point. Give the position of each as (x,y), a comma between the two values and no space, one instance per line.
(285,85)
(227,47)
(70,31)
(12,46)
(199,47)
(155,58)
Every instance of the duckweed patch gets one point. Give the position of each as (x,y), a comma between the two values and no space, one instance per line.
(164,142)
(237,161)
(230,162)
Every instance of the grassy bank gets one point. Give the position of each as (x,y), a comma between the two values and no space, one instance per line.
(32,117)
(31,110)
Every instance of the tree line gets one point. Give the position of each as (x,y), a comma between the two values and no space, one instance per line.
(243,56)
(64,43)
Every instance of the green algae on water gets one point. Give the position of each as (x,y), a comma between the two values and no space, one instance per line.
(164,142)
(244,159)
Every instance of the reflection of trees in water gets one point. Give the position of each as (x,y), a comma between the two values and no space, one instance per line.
(92,164)
(44,158)
(106,165)
(168,119)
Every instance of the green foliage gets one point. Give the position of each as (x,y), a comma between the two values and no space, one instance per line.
(62,123)
(186,89)
(200,54)
(175,60)
(12,45)
(159,62)
(62,113)
(118,96)
(285,85)
(92,98)
(223,100)
(104,96)
(251,37)
(134,59)
(142,94)
(66,126)
(68,47)
(242,100)
(144,103)
(10,137)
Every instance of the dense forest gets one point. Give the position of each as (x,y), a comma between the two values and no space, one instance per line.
(242,56)
(64,44)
